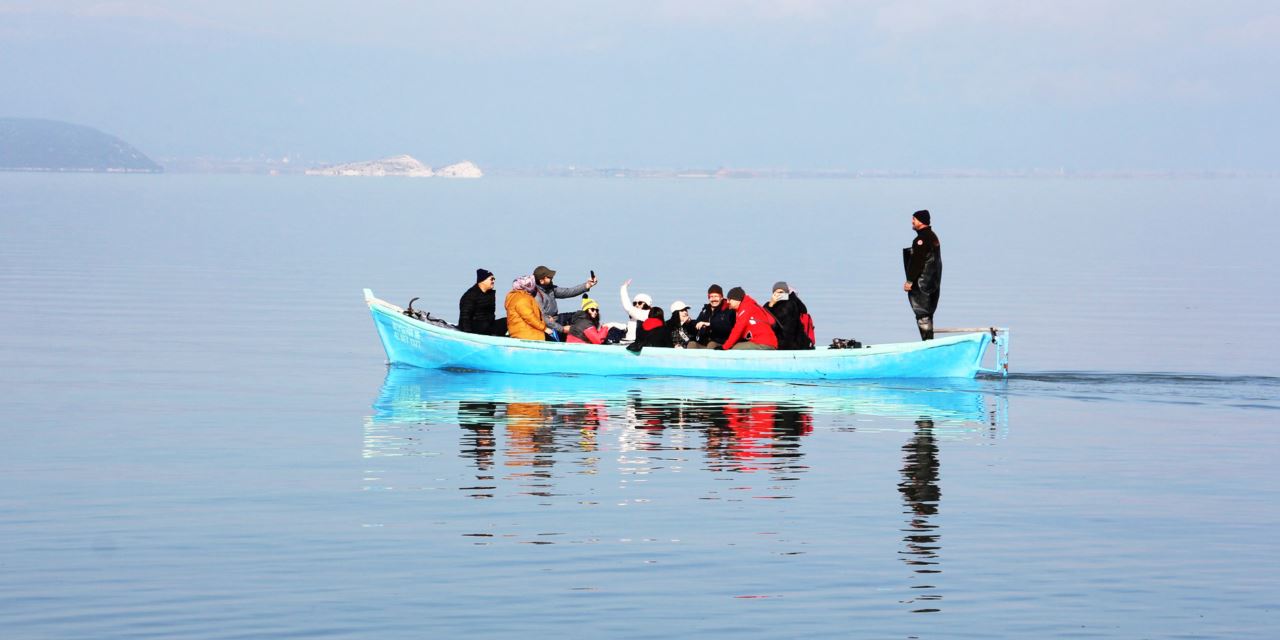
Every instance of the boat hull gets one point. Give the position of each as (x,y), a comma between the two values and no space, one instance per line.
(411,342)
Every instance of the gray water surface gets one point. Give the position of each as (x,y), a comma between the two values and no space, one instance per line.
(203,441)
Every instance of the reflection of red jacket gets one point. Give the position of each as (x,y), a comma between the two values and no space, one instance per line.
(751,423)
(755,323)
(752,427)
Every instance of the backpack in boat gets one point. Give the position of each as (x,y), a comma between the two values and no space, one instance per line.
(845,343)
(425,316)
(806,324)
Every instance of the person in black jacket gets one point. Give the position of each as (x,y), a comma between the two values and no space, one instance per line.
(476,307)
(923,262)
(786,307)
(680,325)
(652,332)
(715,322)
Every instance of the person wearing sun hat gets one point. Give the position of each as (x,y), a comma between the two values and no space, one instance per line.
(477,307)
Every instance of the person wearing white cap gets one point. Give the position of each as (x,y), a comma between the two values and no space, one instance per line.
(682,326)
(637,308)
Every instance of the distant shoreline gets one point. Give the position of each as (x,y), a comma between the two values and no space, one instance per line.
(284,167)
(75,170)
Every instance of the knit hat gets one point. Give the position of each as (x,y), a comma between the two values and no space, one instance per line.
(483,274)
(524,283)
(780,285)
(588,303)
(677,306)
(921,215)
(642,297)
(715,288)
(543,272)
(737,293)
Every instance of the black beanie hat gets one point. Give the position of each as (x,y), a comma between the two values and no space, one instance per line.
(737,293)
(482,275)
(715,288)
(921,215)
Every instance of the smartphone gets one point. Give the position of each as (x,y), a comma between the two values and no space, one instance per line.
(593,274)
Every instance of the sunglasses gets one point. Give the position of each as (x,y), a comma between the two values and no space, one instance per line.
(642,305)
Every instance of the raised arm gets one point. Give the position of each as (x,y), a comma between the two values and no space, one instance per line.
(569,292)
(631,310)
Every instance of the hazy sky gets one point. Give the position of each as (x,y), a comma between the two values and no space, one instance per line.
(802,84)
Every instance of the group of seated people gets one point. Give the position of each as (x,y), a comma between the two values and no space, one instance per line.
(732,321)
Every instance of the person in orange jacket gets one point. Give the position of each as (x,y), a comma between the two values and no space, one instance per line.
(753,328)
(524,316)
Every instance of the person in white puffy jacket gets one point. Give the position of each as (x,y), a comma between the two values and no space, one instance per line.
(637,308)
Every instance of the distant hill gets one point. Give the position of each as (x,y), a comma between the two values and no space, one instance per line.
(30,144)
(403,165)
(464,169)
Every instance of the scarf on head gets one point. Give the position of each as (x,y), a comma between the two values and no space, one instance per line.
(524,283)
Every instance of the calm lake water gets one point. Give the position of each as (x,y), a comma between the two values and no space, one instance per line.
(202,439)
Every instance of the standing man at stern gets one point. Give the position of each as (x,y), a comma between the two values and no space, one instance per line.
(923,262)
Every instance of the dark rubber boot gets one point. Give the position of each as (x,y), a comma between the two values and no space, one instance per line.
(925,325)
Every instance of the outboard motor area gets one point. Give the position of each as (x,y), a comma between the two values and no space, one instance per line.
(999,348)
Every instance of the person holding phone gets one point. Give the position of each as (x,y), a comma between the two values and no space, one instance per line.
(546,293)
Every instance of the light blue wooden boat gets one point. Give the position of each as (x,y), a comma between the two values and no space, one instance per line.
(411,342)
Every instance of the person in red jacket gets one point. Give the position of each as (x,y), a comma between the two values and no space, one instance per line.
(586,327)
(753,328)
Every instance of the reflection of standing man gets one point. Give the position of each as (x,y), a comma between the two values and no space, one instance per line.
(920,491)
(920,464)
(923,261)
(477,420)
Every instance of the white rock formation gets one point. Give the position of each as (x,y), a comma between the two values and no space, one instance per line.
(394,166)
(464,169)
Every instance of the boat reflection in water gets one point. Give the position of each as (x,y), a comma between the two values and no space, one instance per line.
(531,423)
(605,441)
